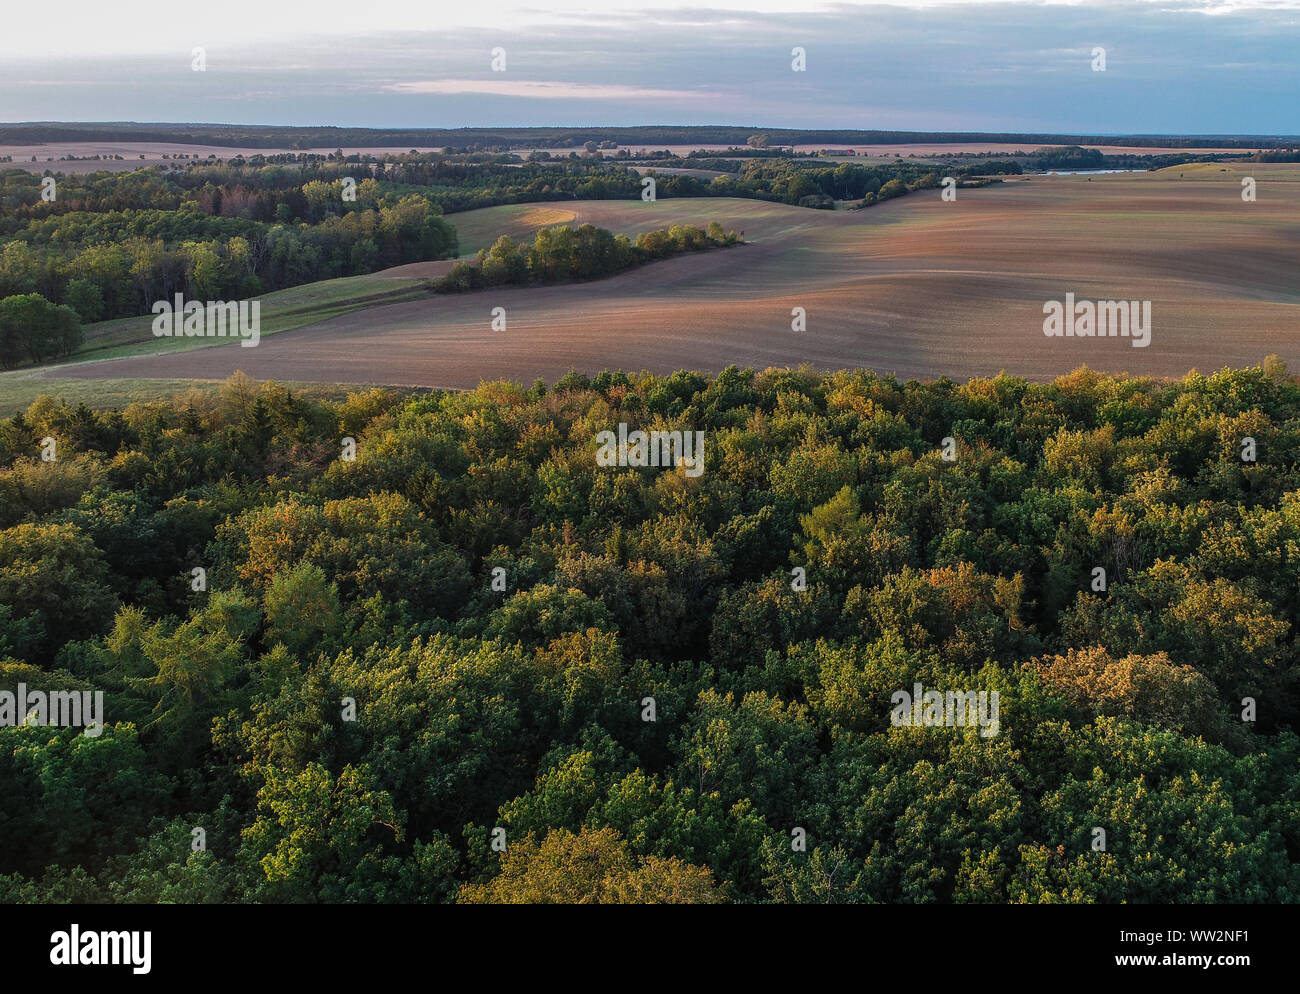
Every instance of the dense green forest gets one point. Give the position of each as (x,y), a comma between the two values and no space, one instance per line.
(34,330)
(110,244)
(425,623)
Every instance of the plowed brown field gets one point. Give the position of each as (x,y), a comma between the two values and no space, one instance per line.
(915,286)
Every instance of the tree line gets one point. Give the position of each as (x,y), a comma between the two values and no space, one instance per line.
(278,136)
(111,246)
(564,254)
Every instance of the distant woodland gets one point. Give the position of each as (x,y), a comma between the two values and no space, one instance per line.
(267,136)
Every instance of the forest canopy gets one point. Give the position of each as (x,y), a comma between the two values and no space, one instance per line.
(355,676)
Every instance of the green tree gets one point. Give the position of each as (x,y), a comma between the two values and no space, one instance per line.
(592,867)
(302,609)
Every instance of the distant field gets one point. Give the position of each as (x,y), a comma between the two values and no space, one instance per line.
(18,390)
(50,155)
(915,286)
(479,229)
(972,148)
(929,148)
(138,154)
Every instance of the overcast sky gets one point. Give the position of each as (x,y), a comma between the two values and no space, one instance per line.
(1172,66)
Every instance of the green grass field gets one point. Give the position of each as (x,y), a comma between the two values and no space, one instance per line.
(18,389)
(281,311)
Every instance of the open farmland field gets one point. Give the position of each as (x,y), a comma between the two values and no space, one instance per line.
(915,286)
(138,154)
(135,155)
(893,149)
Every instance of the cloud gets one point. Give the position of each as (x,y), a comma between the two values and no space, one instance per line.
(535,89)
(954,65)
